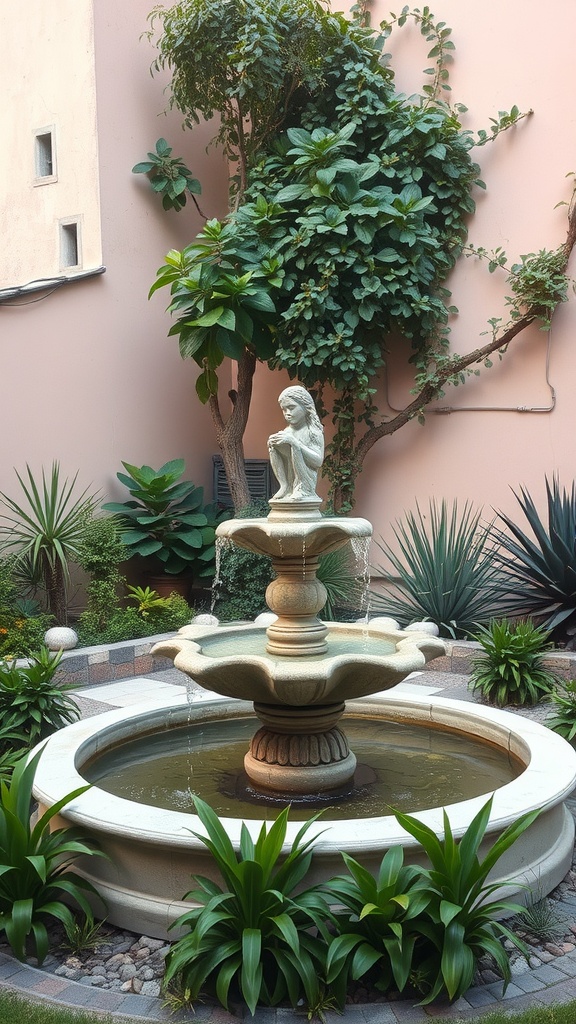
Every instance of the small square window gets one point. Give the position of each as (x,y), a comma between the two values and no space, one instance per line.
(45,156)
(70,251)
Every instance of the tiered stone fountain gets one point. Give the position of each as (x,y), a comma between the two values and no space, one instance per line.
(300,673)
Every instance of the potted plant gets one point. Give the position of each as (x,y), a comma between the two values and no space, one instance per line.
(167,525)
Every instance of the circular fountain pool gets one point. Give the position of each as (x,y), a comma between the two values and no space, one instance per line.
(414,768)
(152,851)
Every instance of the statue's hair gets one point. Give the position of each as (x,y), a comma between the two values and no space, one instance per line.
(303,397)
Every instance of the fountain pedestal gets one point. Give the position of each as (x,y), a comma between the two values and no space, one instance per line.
(299,751)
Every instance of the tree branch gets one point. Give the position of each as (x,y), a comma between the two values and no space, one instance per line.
(459,364)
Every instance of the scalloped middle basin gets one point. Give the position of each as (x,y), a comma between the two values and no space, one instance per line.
(293,538)
(361,659)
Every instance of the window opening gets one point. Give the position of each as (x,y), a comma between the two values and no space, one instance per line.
(44,154)
(69,245)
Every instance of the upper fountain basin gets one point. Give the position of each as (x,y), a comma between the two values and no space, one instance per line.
(287,537)
(361,659)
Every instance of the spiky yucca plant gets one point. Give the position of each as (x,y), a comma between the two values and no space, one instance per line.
(540,570)
(445,568)
(46,531)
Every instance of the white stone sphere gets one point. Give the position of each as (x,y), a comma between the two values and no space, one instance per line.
(423,627)
(60,638)
(384,622)
(265,619)
(205,620)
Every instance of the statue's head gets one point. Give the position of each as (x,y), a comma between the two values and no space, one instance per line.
(296,393)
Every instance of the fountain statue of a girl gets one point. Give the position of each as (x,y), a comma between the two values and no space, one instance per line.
(297,452)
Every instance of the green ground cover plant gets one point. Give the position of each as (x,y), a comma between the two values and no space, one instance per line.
(510,669)
(22,623)
(131,624)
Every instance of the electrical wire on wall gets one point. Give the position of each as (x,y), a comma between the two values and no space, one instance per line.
(446,410)
(44,284)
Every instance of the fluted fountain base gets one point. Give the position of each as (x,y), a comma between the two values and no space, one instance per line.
(299,750)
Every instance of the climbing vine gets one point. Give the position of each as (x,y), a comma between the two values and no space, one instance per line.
(351,205)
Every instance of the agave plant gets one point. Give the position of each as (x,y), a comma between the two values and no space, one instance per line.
(540,570)
(46,533)
(337,572)
(445,570)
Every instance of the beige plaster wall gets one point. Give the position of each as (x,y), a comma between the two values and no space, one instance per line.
(89,376)
(518,52)
(36,39)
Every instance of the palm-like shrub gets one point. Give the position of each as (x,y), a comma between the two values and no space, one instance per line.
(540,569)
(510,670)
(46,531)
(445,570)
(256,934)
(36,882)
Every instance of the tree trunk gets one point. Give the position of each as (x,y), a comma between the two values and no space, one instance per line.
(230,433)
(56,592)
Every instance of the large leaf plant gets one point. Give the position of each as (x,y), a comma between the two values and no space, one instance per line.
(166,522)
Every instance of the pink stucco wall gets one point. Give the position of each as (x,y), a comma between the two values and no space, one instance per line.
(90,377)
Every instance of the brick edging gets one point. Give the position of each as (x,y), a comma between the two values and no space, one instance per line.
(88,666)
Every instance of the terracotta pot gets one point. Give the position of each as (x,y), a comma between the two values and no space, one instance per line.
(165,584)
